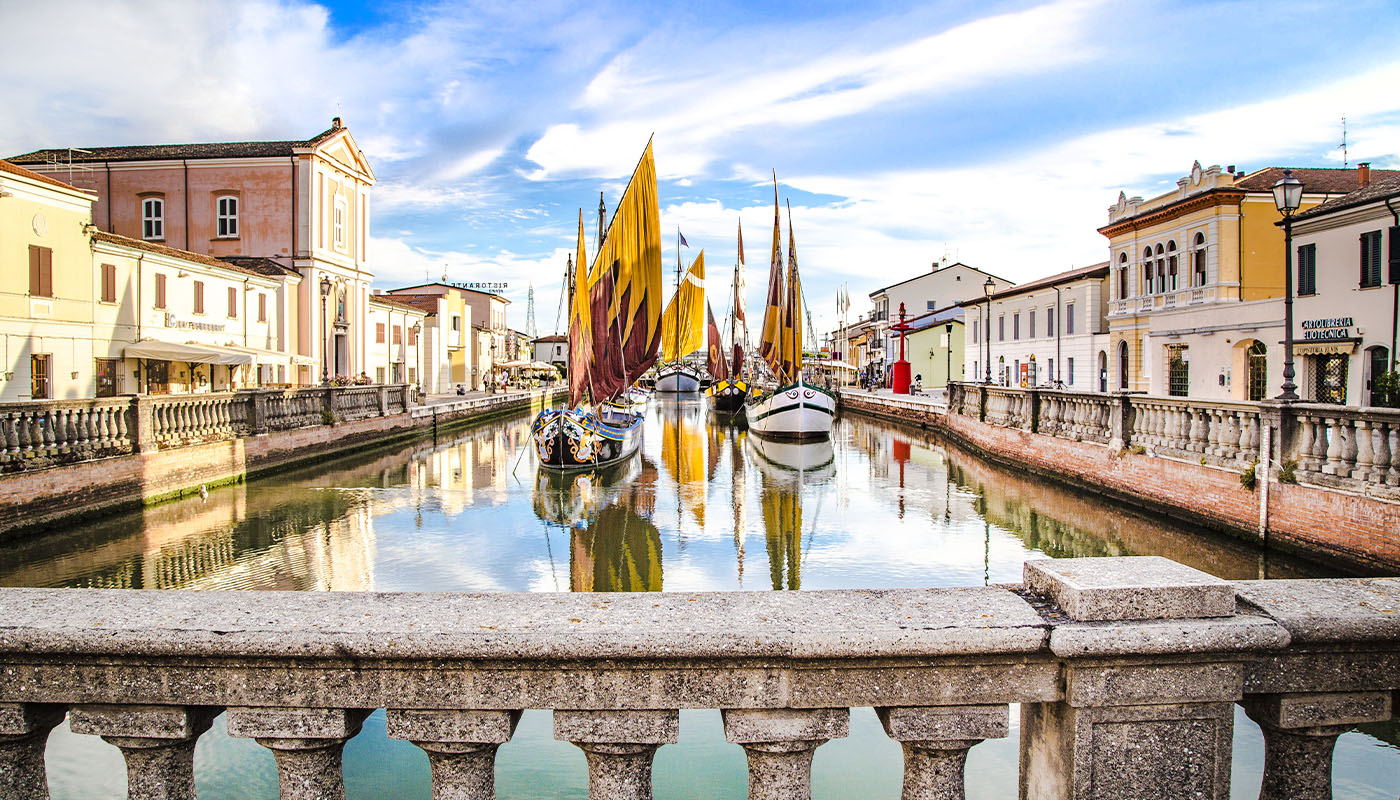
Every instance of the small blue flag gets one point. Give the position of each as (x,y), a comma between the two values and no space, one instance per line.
(682,235)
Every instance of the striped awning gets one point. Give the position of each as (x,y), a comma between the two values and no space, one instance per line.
(1339,347)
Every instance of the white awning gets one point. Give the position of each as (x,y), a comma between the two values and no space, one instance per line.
(196,353)
(831,363)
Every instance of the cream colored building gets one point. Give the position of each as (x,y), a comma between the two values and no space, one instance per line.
(396,336)
(944,285)
(465,334)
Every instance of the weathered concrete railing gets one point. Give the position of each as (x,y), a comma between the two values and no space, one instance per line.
(1334,446)
(1126,670)
(47,432)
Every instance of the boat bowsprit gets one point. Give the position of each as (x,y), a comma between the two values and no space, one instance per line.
(575,438)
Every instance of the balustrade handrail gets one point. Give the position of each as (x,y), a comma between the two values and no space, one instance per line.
(1143,645)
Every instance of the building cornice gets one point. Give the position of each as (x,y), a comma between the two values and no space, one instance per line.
(1211,199)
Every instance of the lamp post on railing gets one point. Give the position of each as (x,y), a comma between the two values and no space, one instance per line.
(417,355)
(988,289)
(325,333)
(1288,195)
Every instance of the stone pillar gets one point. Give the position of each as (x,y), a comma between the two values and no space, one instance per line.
(24,731)
(383,399)
(143,429)
(307,743)
(936,741)
(1153,663)
(1120,420)
(780,744)
(1300,731)
(257,411)
(461,747)
(620,746)
(1033,410)
(157,741)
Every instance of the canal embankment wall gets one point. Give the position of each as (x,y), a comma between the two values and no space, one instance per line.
(218,448)
(1327,523)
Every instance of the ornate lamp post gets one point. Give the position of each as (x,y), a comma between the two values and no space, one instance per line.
(899,376)
(989,288)
(325,333)
(1288,195)
(417,353)
(948,371)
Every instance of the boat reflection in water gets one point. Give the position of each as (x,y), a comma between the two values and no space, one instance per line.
(788,468)
(613,545)
(683,449)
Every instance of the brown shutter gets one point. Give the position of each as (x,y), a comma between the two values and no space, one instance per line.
(46,269)
(199,297)
(233,301)
(160,291)
(34,279)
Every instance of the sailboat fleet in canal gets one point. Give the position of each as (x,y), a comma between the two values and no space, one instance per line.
(614,335)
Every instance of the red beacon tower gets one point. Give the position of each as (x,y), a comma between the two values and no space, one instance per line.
(899,375)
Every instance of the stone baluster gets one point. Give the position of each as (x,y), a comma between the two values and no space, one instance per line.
(307,743)
(1349,446)
(1392,476)
(24,731)
(1305,443)
(48,427)
(1365,452)
(34,427)
(1322,440)
(1248,443)
(1380,454)
(620,746)
(157,741)
(780,744)
(936,741)
(461,747)
(8,436)
(1197,431)
(1300,732)
(1336,446)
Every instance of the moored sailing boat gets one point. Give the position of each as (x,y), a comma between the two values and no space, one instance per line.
(614,333)
(729,390)
(794,409)
(682,330)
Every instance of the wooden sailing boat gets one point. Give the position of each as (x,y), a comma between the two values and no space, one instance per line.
(729,390)
(682,329)
(614,334)
(794,409)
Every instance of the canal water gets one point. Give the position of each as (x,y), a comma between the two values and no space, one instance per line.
(704,507)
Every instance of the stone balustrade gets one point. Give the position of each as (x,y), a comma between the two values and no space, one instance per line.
(46,432)
(1126,671)
(1334,446)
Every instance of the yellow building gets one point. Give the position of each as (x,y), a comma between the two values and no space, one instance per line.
(1196,280)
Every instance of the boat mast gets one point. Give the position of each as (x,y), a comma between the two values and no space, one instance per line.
(602,210)
(569,279)
(676,301)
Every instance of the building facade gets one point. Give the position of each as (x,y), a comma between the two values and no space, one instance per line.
(935,347)
(465,335)
(396,336)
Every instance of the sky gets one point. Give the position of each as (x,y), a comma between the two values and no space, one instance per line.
(992,133)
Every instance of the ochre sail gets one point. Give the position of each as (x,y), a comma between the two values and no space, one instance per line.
(770,344)
(580,322)
(624,288)
(683,323)
(792,312)
(718,364)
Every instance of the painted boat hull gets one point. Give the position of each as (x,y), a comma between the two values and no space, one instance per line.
(727,396)
(575,439)
(677,379)
(793,412)
(814,458)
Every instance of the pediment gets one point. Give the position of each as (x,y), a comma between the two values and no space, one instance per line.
(341,148)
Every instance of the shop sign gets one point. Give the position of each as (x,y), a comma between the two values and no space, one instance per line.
(1330,329)
(172,321)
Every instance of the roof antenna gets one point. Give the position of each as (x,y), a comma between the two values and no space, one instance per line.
(444,273)
(1344,141)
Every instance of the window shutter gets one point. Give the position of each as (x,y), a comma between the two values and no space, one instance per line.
(46,271)
(34,279)
(1362,282)
(1395,254)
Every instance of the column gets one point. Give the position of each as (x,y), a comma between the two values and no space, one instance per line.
(157,741)
(936,741)
(24,731)
(307,743)
(620,746)
(780,744)
(1300,731)
(461,747)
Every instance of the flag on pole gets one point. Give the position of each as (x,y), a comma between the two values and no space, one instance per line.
(682,238)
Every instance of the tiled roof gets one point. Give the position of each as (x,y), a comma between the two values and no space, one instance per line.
(13,169)
(1315,180)
(1378,190)
(554,337)
(440,284)
(1098,270)
(161,152)
(423,302)
(936,271)
(174,252)
(259,265)
(403,301)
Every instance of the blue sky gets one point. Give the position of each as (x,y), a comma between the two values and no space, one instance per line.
(995,133)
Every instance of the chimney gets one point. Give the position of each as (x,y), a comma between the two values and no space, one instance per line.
(1363,174)
(335,123)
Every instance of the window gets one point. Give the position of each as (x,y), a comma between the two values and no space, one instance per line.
(160,290)
(339,222)
(379,333)
(1147,271)
(1307,269)
(199,297)
(1330,379)
(1258,363)
(105,369)
(39,377)
(1178,370)
(1069,319)
(1122,276)
(1049,322)
(232,302)
(109,283)
(40,271)
(262,307)
(153,218)
(413,336)
(1122,365)
(1031,325)
(412,374)
(1161,270)
(1198,260)
(1377,364)
(1069,370)
(977,332)
(398,334)
(1016,325)
(930,305)
(379,375)
(157,377)
(226,209)
(1370,259)
(1171,266)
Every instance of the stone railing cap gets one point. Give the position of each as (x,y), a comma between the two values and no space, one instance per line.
(810,624)
(1217,635)
(1338,610)
(1129,587)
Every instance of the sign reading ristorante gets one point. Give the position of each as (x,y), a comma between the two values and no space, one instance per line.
(172,321)
(1328,329)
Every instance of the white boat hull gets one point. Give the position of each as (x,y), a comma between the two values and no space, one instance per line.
(677,380)
(797,411)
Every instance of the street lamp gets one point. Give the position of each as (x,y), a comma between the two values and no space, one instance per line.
(325,333)
(417,355)
(989,288)
(948,372)
(1288,195)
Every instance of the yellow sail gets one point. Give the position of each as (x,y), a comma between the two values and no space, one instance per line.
(770,342)
(633,246)
(683,323)
(792,311)
(580,324)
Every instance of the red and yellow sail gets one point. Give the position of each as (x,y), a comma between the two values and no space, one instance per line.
(580,322)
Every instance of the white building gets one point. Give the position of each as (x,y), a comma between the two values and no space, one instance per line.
(553,349)
(1048,332)
(942,286)
(396,331)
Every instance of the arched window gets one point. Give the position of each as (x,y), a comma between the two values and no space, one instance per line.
(1161,270)
(226,217)
(153,218)
(1257,362)
(1147,270)
(1103,371)
(1377,366)
(1123,365)
(1198,260)
(1122,276)
(1171,266)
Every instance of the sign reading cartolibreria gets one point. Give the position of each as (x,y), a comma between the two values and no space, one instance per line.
(172,321)
(1327,330)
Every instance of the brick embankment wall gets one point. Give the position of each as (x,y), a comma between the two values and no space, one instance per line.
(1315,522)
(30,500)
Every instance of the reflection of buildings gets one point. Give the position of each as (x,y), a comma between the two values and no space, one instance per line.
(787,468)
